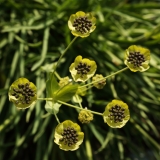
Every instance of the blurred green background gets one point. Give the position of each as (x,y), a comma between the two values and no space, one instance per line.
(33,33)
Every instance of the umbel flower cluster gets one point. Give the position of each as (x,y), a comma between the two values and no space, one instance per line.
(68,134)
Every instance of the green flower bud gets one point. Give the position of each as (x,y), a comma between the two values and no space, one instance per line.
(64,81)
(81,91)
(100,84)
(85,116)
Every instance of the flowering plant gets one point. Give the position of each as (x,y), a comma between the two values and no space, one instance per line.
(68,135)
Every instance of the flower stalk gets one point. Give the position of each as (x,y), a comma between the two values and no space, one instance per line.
(78,101)
(104,77)
(57,118)
(70,105)
(64,53)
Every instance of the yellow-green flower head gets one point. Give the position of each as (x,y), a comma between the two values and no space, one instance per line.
(64,81)
(85,116)
(82,69)
(137,58)
(82,91)
(23,93)
(82,24)
(116,114)
(68,135)
(100,84)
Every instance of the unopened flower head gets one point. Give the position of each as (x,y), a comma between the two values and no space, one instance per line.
(137,58)
(101,83)
(23,93)
(85,116)
(82,91)
(68,135)
(116,114)
(64,81)
(82,69)
(82,24)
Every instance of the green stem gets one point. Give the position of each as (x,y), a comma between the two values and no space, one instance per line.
(49,99)
(70,105)
(78,101)
(46,99)
(57,118)
(105,77)
(45,115)
(64,53)
(57,75)
(87,87)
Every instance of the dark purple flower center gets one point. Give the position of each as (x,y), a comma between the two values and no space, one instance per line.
(70,136)
(82,24)
(116,113)
(23,93)
(136,58)
(83,68)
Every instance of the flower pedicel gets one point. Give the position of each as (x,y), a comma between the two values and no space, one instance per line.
(101,83)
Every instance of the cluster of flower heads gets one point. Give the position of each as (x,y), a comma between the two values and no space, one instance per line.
(68,135)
